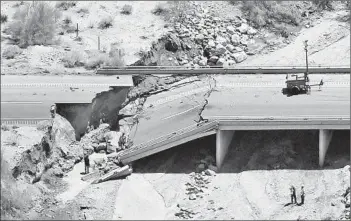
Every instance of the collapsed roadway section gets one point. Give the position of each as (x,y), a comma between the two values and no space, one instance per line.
(222,105)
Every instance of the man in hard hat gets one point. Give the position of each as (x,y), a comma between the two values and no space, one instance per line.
(293,194)
(302,195)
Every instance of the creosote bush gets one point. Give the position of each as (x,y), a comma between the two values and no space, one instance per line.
(34,25)
(3,18)
(11,52)
(105,22)
(127,10)
(264,13)
(160,9)
(65,5)
(73,59)
(116,57)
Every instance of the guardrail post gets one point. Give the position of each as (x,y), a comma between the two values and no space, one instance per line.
(223,140)
(325,137)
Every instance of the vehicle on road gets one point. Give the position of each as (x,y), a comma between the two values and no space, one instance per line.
(299,85)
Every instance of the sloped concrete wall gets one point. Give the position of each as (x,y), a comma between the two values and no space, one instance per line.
(223,140)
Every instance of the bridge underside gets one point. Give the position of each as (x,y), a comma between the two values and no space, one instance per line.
(224,137)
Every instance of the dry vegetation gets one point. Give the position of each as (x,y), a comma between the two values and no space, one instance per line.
(34,24)
(127,9)
(3,18)
(11,52)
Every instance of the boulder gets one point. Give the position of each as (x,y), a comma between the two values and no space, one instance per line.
(101,146)
(201,167)
(211,44)
(221,40)
(238,49)
(213,59)
(203,62)
(251,31)
(240,57)
(244,40)
(172,43)
(230,48)
(230,30)
(199,38)
(98,161)
(235,39)
(220,62)
(112,139)
(243,28)
(220,50)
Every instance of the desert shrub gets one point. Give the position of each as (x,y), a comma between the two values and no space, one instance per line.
(15,127)
(160,9)
(73,59)
(116,58)
(127,9)
(43,125)
(12,139)
(323,4)
(83,10)
(263,13)
(67,20)
(177,11)
(34,25)
(5,127)
(3,18)
(65,5)
(95,60)
(105,22)
(11,51)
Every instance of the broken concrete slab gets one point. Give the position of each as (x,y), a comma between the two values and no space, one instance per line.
(119,172)
(92,176)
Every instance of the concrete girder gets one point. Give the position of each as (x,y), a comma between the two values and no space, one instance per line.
(325,137)
(223,140)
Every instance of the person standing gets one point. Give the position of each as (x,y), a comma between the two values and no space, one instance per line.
(53,110)
(86,161)
(293,194)
(302,195)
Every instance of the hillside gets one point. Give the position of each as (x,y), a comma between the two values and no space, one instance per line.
(207,34)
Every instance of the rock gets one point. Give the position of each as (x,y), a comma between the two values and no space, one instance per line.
(113,141)
(199,38)
(101,146)
(230,48)
(192,196)
(203,62)
(172,43)
(220,62)
(213,168)
(213,59)
(251,31)
(201,167)
(235,39)
(210,172)
(244,40)
(230,30)
(243,28)
(240,57)
(98,161)
(238,49)
(220,50)
(211,44)
(221,40)
(231,62)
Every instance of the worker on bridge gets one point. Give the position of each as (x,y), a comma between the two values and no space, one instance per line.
(53,110)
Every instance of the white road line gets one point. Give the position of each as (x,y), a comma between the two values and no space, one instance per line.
(280,117)
(21,102)
(174,115)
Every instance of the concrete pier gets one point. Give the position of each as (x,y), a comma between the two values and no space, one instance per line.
(325,137)
(223,140)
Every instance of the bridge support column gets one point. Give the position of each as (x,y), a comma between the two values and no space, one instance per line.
(223,140)
(325,137)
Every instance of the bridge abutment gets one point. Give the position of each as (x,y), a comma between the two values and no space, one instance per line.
(223,140)
(325,137)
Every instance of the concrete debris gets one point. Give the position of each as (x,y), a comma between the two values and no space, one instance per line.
(116,173)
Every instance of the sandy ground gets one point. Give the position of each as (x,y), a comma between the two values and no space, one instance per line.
(328,40)
(130,33)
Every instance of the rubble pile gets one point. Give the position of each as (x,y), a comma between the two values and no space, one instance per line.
(346,201)
(202,39)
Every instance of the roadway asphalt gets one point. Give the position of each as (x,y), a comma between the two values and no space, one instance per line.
(251,96)
(28,98)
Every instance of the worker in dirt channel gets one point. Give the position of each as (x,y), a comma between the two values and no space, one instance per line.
(86,161)
(53,110)
(302,195)
(293,194)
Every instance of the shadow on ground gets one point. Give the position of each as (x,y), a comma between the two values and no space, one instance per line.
(252,150)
